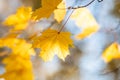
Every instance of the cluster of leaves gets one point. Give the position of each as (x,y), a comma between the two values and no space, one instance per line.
(19,58)
(51,42)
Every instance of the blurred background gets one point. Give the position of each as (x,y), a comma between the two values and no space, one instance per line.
(84,61)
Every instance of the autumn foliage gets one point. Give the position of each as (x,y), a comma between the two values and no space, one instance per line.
(51,42)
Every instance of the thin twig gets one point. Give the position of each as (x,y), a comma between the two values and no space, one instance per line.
(73,11)
(116,28)
(107,72)
(81,6)
(99,0)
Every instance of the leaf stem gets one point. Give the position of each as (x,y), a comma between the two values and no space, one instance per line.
(66,21)
(73,11)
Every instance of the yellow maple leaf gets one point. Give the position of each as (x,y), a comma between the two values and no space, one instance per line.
(59,13)
(48,6)
(51,42)
(111,52)
(85,21)
(20,19)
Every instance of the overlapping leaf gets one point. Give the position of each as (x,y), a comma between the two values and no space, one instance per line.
(53,43)
(20,19)
(17,46)
(48,6)
(19,59)
(18,67)
(59,13)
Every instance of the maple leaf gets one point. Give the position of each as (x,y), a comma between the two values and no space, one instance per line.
(85,21)
(111,52)
(51,42)
(59,13)
(20,19)
(48,6)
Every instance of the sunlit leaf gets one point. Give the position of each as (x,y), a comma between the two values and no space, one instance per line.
(111,52)
(20,19)
(53,43)
(59,13)
(18,46)
(86,32)
(18,67)
(18,64)
(85,21)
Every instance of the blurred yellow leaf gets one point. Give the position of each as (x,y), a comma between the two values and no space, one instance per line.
(111,52)
(59,13)
(17,67)
(20,19)
(18,46)
(8,42)
(85,32)
(85,21)
(51,42)
(48,6)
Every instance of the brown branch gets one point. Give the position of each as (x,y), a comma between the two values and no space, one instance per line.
(110,71)
(81,6)
(73,11)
